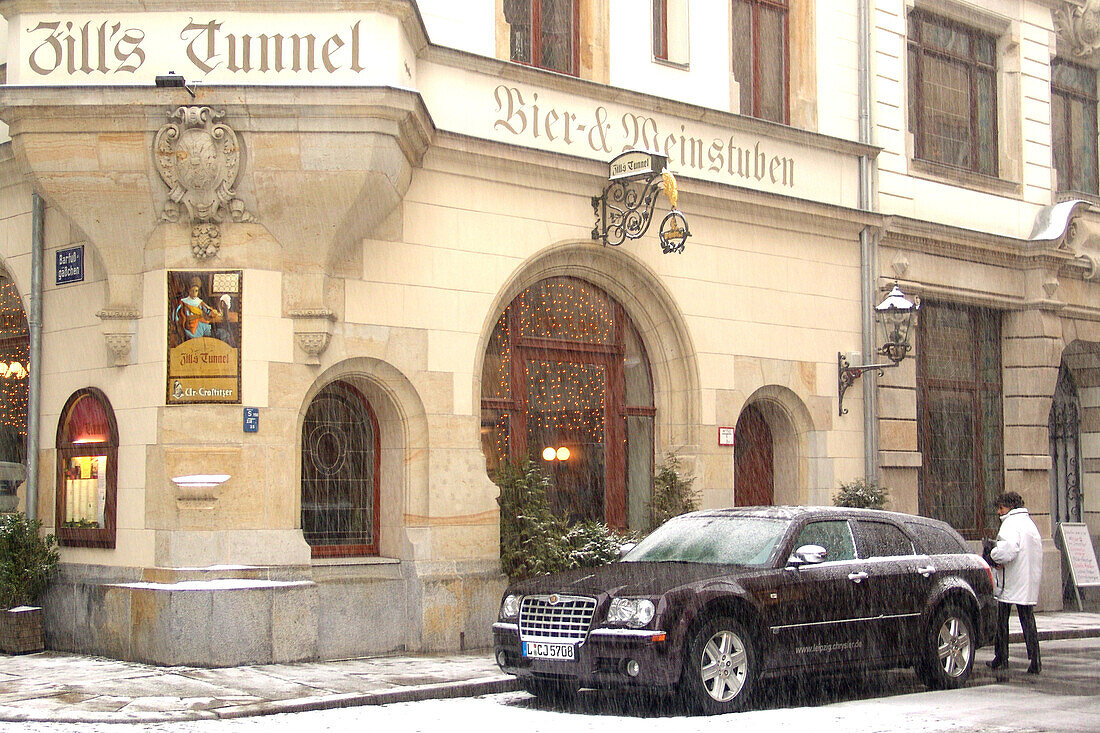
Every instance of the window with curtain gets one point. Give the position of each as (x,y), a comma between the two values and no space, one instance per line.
(953,94)
(543,33)
(340,462)
(960,415)
(1073,125)
(566,382)
(87,471)
(761,57)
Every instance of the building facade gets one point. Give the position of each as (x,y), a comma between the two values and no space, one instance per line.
(313,271)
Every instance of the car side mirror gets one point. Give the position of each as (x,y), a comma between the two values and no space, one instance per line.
(807,555)
(625,548)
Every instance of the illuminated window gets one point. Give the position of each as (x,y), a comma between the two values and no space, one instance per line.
(14,348)
(87,456)
(340,455)
(543,33)
(566,382)
(760,57)
(952,94)
(1073,125)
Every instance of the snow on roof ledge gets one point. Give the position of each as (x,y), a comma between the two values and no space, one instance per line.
(220,584)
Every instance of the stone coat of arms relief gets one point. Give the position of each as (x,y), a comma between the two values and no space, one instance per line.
(1079,24)
(198,157)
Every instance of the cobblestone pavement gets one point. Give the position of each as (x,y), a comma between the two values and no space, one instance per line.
(62,687)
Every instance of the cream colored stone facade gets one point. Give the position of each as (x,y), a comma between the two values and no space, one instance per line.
(396,218)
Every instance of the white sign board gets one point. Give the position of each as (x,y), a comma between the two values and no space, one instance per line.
(1078,548)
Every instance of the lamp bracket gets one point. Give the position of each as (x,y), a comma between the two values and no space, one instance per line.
(848,374)
(625,208)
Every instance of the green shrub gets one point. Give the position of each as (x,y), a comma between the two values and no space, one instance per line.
(672,492)
(27,561)
(533,540)
(861,493)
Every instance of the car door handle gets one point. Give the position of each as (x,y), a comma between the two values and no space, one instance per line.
(856,577)
(927,571)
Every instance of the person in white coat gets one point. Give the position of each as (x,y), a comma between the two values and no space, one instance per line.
(1018,563)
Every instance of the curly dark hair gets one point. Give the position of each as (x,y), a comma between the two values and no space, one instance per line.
(1009,500)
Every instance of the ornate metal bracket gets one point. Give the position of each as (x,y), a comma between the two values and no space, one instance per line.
(625,208)
(848,374)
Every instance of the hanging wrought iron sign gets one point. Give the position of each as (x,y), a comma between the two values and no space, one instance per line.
(625,208)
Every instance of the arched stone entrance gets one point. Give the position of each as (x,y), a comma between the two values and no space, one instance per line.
(776,436)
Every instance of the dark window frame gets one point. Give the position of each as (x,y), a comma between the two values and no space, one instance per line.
(1074,95)
(372,549)
(918,50)
(660,29)
(755,8)
(531,32)
(973,390)
(99,537)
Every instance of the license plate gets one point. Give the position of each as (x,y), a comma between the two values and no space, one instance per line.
(544,650)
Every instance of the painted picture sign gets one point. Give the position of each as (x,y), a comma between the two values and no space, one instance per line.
(204,337)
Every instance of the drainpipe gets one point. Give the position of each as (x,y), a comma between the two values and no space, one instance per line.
(34,382)
(867,247)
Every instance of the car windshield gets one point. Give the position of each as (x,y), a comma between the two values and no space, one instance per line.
(732,540)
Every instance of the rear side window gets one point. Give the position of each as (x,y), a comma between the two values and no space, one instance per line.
(882,539)
(937,540)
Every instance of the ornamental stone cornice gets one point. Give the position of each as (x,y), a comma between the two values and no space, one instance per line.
(90,152)
(1077,22)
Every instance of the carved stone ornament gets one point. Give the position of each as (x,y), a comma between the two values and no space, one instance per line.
(117,325)
(313,332)
(199,158)
(1079,25)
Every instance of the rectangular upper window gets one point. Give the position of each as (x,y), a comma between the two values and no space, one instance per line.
(670,31)
(1073,126)
(953,94)
(543,33)
(760,57)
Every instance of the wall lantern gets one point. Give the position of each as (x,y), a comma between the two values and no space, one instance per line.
(625,208)
(895,316)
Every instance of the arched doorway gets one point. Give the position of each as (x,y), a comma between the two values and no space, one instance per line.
(566,382)
(1064,424)
(754,460)
(14,351)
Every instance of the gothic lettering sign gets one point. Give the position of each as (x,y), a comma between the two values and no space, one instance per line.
(530,116)
(204,337)
(220,47)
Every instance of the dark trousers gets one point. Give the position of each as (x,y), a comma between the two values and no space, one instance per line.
(1031,635)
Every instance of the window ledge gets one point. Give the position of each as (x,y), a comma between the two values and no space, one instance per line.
(681,65)
(940,173)
(340,561)
(1071,195)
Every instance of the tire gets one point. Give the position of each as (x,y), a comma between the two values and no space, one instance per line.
(721,667)
(949,648)
(555,691)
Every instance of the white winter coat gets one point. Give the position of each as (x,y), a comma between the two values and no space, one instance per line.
(1019,552)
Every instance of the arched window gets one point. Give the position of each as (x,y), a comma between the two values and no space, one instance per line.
(340,456)
(566,382)
(87,470)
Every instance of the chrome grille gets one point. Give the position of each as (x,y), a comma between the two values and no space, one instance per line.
(565,619)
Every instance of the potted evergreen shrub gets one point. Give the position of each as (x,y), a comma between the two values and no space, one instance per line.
(861,493)
(27,562)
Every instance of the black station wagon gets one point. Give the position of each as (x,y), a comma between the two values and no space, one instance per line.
(713,601)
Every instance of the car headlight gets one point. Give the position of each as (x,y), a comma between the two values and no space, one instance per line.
(509,608)
(635,612)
